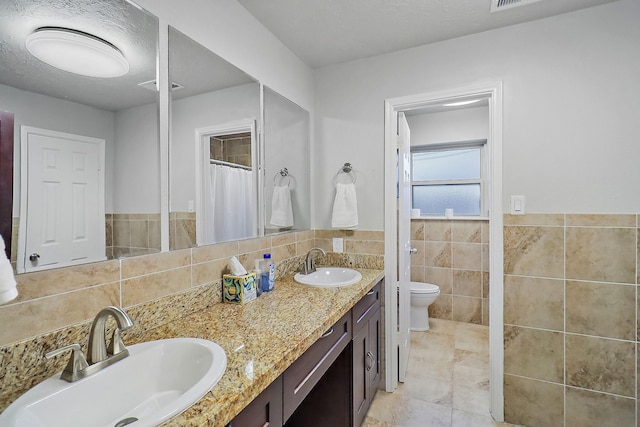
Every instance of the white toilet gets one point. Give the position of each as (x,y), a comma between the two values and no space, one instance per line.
(422,296)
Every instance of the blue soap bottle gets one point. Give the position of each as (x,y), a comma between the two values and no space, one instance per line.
(267,273)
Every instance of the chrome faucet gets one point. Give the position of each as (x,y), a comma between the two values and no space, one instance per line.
(99,354)
(309,265)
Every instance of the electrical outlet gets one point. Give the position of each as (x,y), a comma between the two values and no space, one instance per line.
(338,244)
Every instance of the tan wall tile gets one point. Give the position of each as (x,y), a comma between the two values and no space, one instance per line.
(534,251)
(212,252)
(534,302)
(146,288)
(486,281)
(601,254)
(364,235)
(534,219)
(138,266)
(442,307)
(325,244)
(329,234)
(121,233)
(467,256)
(283,239)
(417,274)
(305,235)
(442,277)
(437,231)
(485,311)
(605,310)
(486,258)
(437,254)
(601,220)
(417,230)
(42,315)
(253,245)
(601,364)
(55,281)
(139,234)
(590,409)
(467,283)
(208,272)
(279,253)
(534,353)
(529,402)
(364,247)
(466,309)
(485,232)
(304,246)
(466,231)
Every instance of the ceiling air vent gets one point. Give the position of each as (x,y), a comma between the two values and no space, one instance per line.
(151,85)
(498,5)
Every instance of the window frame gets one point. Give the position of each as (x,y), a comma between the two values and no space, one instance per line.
(482,180)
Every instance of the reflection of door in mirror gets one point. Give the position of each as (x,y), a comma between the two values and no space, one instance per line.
(122,111)
(62,200)
(227,183)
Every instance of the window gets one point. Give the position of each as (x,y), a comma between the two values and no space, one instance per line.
(448,176)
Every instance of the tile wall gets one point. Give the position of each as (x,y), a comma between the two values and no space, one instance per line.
(132,234)
(453,254)
(570,314)
(182,230)
(55,307)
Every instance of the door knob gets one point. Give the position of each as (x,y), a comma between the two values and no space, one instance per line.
(413,251)
(34,257)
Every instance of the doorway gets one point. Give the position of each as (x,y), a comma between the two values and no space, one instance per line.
(62,208)
(227,183)
(396,350)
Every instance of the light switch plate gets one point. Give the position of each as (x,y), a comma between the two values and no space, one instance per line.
(517,205)
(190,206)
(338,244)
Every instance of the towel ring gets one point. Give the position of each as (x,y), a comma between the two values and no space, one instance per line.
(284,173)
(346,169)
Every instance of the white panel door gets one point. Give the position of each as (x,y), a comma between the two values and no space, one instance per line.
(63,200)
(404,244)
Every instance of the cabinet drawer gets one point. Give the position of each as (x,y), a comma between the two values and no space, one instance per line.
(366,307)
(265,410)
(304,373)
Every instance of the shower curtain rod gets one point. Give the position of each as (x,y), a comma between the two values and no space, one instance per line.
(233,165)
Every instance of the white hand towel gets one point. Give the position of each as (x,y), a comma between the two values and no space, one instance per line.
(8,289)
(281,209)
(345,207)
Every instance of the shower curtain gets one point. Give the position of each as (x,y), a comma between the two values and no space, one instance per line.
(229,205)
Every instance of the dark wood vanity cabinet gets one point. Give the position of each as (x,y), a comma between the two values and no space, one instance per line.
(333,382)
(264,411)
(367,340)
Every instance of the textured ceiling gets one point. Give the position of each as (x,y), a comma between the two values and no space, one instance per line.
(325,32)
(131,29)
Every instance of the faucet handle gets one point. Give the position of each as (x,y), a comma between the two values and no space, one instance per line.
(116,345)
(77,362)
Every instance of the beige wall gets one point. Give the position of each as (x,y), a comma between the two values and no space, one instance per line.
(570,304)
(453,254)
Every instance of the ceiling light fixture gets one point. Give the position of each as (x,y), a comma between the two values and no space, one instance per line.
(460,103)
(77,52)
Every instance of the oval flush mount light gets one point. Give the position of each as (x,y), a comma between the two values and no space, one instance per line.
(77,52)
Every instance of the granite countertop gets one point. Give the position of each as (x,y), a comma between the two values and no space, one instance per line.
(261,340)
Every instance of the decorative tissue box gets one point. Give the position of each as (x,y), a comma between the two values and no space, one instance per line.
(239,289)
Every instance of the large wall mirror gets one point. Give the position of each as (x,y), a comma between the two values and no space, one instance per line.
(228,170)
(86,158)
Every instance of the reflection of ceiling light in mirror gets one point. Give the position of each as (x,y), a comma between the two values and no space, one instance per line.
(77,52)
(460,103)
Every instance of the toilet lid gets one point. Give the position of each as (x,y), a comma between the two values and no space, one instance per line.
(424,288)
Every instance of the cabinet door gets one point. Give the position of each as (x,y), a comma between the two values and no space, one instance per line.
(375,347)
(264,411)
(361,389)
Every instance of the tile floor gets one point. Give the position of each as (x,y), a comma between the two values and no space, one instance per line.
(447,382)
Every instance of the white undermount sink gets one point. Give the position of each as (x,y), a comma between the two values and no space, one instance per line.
(158,380)
(327,277)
